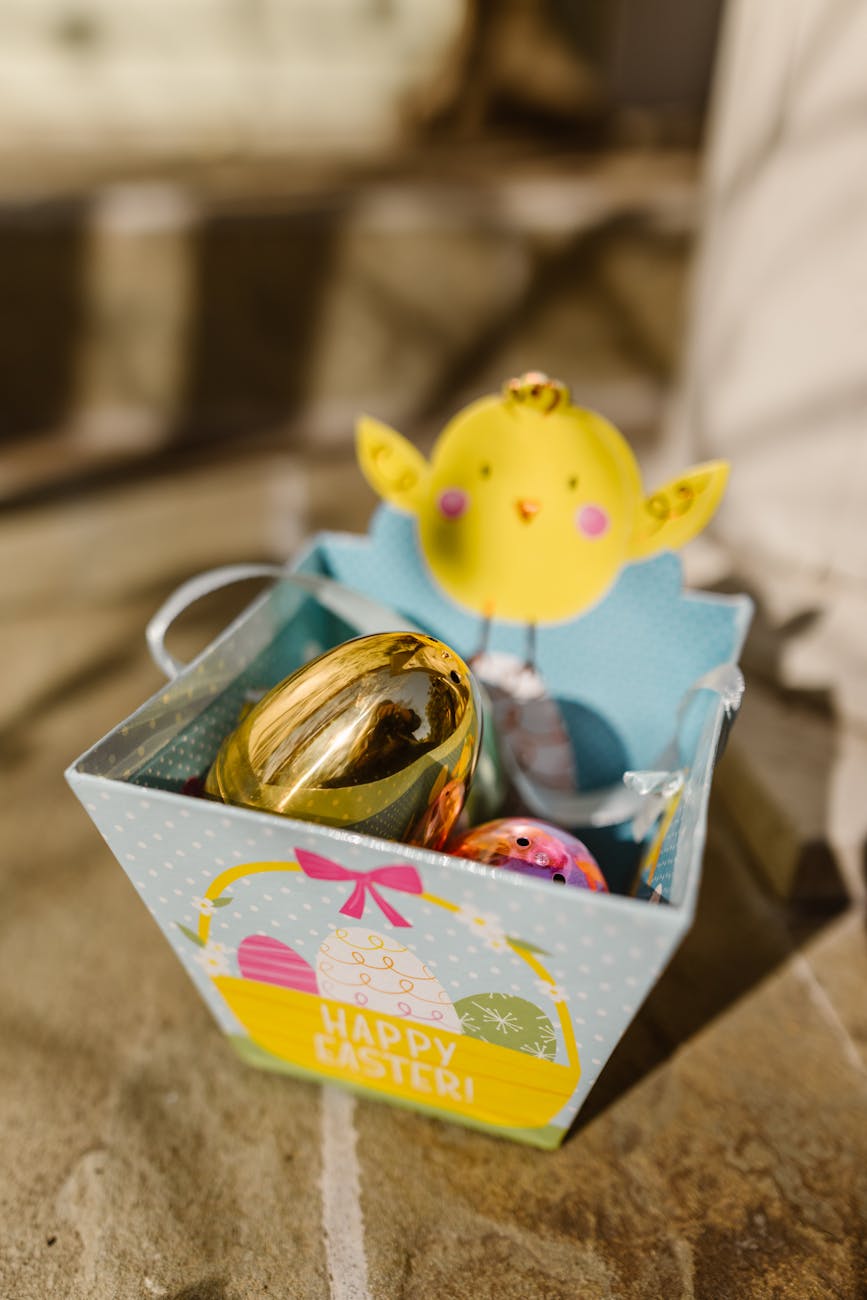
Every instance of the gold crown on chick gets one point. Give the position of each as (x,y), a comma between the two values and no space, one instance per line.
(530,506)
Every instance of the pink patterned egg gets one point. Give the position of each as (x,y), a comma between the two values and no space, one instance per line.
(534,848)
(271,962)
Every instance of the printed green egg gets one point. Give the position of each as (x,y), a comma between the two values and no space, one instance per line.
(508,1021)
(380,734)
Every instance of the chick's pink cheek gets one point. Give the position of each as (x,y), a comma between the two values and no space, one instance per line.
(592,521)
(452,503)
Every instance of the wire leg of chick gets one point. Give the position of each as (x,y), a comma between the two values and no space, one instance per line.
(530,656)
(484,638)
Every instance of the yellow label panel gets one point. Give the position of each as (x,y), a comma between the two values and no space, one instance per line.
(401,1058)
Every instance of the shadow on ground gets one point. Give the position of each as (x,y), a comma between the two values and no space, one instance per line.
(742,932)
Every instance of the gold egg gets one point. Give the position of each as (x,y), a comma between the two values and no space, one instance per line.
(380,735)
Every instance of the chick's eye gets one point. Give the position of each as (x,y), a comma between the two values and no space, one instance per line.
(485,471)
(573,482)
(522,842)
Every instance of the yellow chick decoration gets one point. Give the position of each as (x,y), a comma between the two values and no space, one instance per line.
(530,506)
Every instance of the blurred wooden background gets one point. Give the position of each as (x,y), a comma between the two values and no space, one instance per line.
(244,222)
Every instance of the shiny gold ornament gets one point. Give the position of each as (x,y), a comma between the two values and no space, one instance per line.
(380,734)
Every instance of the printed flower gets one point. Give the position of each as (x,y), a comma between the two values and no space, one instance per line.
(214,959)
(554,991)
(204,905)
(486,925)
(496,941)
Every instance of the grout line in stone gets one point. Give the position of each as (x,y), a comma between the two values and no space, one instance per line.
(804,971)
(342,1220)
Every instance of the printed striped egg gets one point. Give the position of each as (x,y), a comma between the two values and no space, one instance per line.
(271,962)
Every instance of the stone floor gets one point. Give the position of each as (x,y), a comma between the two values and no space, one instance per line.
(721,1155)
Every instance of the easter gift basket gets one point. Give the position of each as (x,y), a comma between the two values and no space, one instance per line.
(327,948)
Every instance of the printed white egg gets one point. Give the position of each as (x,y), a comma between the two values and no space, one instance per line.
(379,973)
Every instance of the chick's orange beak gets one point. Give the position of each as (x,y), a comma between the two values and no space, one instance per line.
(527,508)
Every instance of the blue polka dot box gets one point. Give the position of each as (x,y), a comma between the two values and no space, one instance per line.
(482,996)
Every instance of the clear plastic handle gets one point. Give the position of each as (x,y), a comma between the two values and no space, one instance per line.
(364,614)
(637,790)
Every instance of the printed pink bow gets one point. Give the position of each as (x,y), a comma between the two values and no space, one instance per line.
(404,878)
